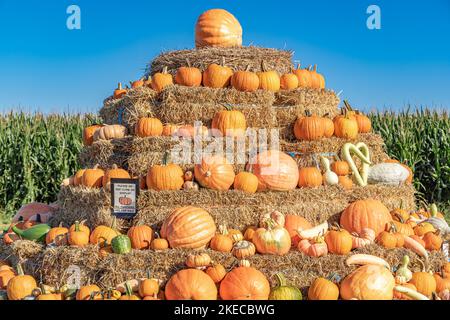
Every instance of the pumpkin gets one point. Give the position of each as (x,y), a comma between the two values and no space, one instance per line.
(21,285)
(188,76)
(284,292)
(246,81)
(250,232)
(170,129)
(442,282)
(345,127)
(339,241)
(235,234)
(275,171)
(114,173)
(424,282)
(229,122)
(119,92)
(188,227)
(341,168)
(217,28)
(274,218)
(273,240)
(214,172)
(309,177)
(57,235)
(423,228)
(323,289)
(190,284)
(366,237)
(345,182)
(109,132)
(245,283)
(246,182)
(303,76)
(160,80)
(198,261)
(433,242)
(403,228)
(289,81)
(243,249)
(88,134)
(168,176)
(121,244)
(368,282)
(317,80)
(293,223)
(137,83)
(222,242)
(89,292)
(446,270)
(129,295)
(313,248)
(78,176)
(328,126)
(217,76)
(268,80)
(148,127)
(364,123)
(188,131)
(148,287)
(217,272)
(92,178)
(140,236)
(5,276)
(309,127)
(399,214)
(390,240)
(158,243)
(78,235)
(401,296)
(103,235)
(367,213)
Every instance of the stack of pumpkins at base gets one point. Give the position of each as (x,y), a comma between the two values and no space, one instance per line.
(362,223)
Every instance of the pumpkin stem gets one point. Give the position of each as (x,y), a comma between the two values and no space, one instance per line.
(247,68)
(165,160)
(315,68)
(128,289)
(20,270)
(281,279)
(164,70)
(223,62)
(119,86)
(188,63)
(77,226)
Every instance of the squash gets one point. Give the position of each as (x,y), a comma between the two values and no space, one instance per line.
(190,284)
(366,238)
(284,292)
(217,28)
(188,227)
(403,274)
(109,132)
(329,177)
(121,244)
(243,249)
(214,172)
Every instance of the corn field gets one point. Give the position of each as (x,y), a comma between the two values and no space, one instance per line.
(38,152)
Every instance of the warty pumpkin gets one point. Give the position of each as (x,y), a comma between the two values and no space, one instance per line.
(229,122)
(160,80)
(214,172)
(190,284)
(167,176)
(141,236)
(114,173)
(148,127)
(217,76)
(246,182)
(217,28)
(309,127)
(88,134)
(246,81)
(92,178)
(268,80)
(275,171)
(188,227)
(309,177)
(109,132)
(188,76)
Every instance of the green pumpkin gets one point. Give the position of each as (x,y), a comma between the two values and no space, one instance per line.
(284,292)
(121,244)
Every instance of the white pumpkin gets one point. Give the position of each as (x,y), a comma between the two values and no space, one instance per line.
(387,173)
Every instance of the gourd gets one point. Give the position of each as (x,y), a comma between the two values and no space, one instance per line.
(243,249)
(365,259)
(403,274)
(217,28)
(366,238)
(313,232)
(410,293)
(121,244)
(284,292)
(329,177)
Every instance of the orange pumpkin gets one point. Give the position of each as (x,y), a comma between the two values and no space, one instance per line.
(168,176)
(364,123)
(313,248)
(275,171)
(339,241)
(346,182)
(309,127)
(222,242)
(442,282)
(92,178)
(81,227)
(369,282)
(250,232)
(273,240)
(21,285)
(433,241)
(289,81)
(229,122)
(214,172)
(114,173)
(328,126)
(57,235)
(103,235)
(5,276)
(244,283)
(217,272)
(317,80)
(188,227)
(293,223)
(78,176)
(242,248)
(161,80)
(345,127)
(89,292)
(140,236)
(217,28)
(402,296)
(341,168)
(119,92)
(159,244)
(109,132)
(323,289)
(366,237)
(246,182)
(367,213)
(88,134)
(189,131)
(137,83)
(268,80)
(190,284)
(148,127)
(78,235)
(424,282)
(188,76)
(170,129)
(246,81)
(303,76)
(148,287)
(217,76)
(309,177)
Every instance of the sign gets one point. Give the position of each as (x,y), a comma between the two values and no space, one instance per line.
(124,195)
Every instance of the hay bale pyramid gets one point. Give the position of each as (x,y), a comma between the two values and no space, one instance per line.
(182,105)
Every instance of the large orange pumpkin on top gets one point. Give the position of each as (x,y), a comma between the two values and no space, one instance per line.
(217,28)
(191,284)
(367,213)
(214,172)
(244,283)
(188,227)
(275,171)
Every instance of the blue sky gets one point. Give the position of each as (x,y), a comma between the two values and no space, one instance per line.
(46,67)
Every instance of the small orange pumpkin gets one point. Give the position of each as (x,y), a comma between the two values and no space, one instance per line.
(309,127)
(214,172)
(161,80)
(309,177)
(188,76)
(148,127)
(245,80)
